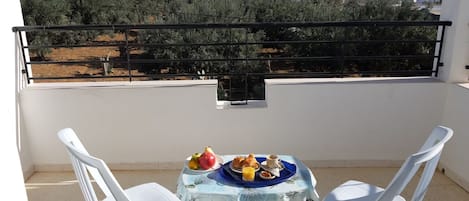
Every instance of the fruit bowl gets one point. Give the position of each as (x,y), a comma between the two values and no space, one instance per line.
(217,165)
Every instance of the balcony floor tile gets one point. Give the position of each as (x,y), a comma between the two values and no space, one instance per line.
(47,186)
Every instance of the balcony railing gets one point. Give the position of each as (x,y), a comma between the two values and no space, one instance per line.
(239,55)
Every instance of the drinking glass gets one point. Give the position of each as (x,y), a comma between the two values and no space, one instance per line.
(249,173)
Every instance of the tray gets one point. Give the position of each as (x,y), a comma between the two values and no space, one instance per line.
(236,178)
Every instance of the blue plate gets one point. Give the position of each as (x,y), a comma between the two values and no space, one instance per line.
(236,178)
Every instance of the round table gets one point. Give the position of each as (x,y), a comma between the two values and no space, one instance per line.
(203,186)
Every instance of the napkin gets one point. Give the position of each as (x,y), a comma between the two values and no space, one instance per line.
(275,171)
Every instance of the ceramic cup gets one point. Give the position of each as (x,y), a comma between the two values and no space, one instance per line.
(273,161)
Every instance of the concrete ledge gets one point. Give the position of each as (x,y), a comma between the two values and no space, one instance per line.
(357,80)
(124,84)
(250,104)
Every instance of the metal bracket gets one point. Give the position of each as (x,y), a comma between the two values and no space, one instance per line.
(243,102)
(467,67)
(440,64)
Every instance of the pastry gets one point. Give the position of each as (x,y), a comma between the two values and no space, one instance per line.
(238,162)
(251,161)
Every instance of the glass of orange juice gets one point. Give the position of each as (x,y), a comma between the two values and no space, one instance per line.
(249,173)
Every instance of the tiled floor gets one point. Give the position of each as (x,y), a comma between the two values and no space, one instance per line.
(62,186)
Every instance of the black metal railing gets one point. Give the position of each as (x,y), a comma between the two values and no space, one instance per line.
(240,61)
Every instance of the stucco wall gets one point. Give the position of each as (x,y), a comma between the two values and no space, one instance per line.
(11,183)
(455,158)
(325,122)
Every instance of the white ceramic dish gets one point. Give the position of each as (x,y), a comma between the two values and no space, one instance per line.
(264,177)
(273,171)
(265,167)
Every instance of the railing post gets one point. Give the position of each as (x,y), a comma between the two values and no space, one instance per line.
(25,70)
(340,56)
(440,50)
(246,70)
(127,53)
(341,59)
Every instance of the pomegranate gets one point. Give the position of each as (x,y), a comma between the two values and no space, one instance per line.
(208,159)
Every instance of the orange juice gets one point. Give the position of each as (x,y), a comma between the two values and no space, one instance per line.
(248,173)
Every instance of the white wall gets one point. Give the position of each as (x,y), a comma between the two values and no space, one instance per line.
(11,182)
(336,120)
(455,159)
(456,41)
(455,155)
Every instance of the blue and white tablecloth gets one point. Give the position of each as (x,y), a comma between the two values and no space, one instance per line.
(208,186)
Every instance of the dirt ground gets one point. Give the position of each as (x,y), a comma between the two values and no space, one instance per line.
(95,71)
(83,70)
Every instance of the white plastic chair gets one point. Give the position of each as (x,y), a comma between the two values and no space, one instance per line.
(429,153)
(83,163)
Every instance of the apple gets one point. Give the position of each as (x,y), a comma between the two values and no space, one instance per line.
(207,160)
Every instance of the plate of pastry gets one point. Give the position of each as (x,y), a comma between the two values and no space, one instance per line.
(239,162)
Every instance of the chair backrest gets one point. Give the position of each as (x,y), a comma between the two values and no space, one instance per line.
(83,163)
(429,153)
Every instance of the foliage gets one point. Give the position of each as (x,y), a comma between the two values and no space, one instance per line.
(113,11)
(43,12)
(77,12)
(203,11)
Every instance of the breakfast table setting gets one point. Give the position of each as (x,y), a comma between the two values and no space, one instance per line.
(245,177)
